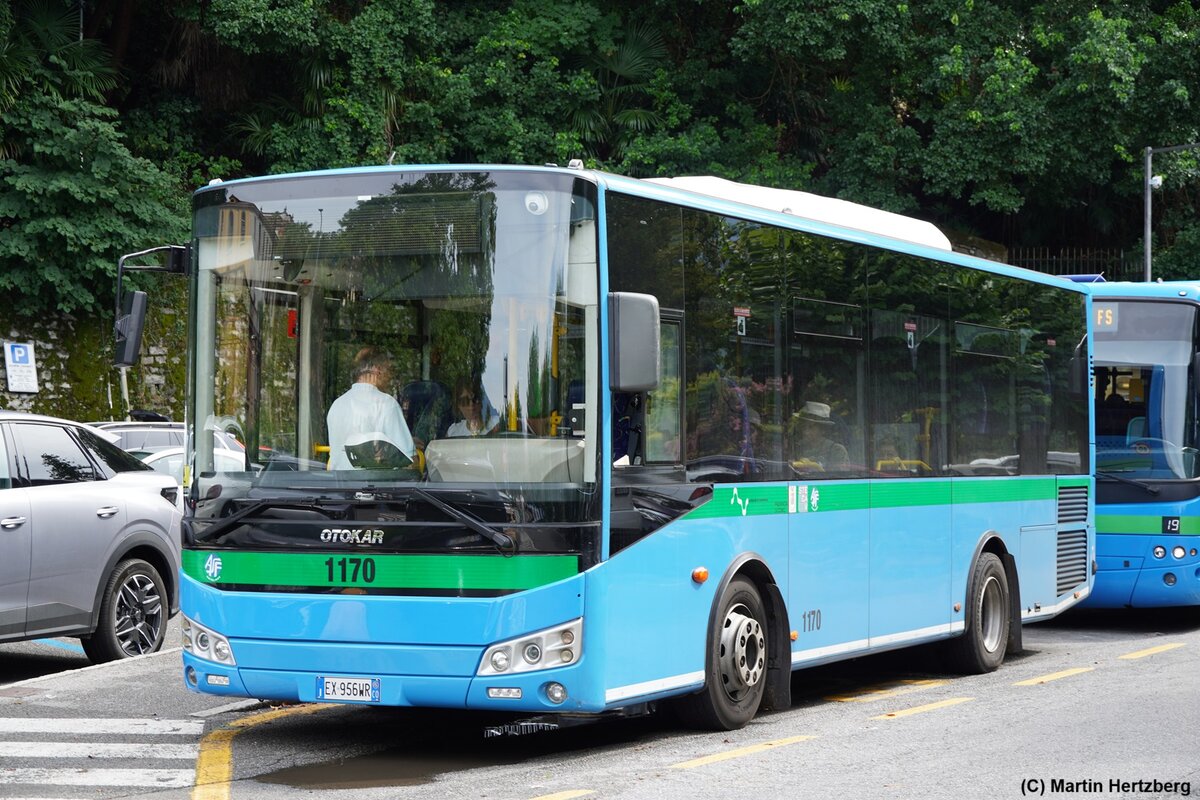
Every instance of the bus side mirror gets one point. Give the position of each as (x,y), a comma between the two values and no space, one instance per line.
(128,329)
(131,306)
(177,261)
(633,348)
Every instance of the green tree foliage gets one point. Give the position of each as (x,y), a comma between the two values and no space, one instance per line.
(999,115)
(40,53)
(1019,123)
(72,197)
(619,108)
(74,202)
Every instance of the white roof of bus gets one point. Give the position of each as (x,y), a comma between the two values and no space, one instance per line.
(815,207)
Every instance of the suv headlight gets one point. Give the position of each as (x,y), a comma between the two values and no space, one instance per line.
(559,646)
(204,643)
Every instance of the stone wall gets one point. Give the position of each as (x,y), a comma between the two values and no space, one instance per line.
(76,376)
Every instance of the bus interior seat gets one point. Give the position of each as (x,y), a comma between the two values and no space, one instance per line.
(426,407)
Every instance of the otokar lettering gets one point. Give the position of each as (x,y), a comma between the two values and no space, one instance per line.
(1115,786)
(352,535)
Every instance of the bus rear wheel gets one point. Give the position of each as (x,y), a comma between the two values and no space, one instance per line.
(984,642)
(735,662)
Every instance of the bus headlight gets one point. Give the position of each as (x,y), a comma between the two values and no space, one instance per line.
(559,646)
(1178,551)
(204,643)
(1159,551)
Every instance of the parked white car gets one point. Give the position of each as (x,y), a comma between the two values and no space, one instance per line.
(170,461)
(89,539)
(140,438)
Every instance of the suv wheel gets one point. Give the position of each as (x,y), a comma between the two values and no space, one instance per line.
(133,619)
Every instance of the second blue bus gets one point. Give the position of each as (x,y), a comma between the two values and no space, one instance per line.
(1147,362)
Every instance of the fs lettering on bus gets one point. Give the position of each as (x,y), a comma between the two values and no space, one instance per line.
(351,536)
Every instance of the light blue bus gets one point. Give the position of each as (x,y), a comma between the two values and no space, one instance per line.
(1147,357)
(731,432)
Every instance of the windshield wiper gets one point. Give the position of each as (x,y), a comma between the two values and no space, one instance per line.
(219,525)
(1153,490)
(504,543)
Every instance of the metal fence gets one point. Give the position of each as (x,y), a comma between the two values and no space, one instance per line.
(1114,265)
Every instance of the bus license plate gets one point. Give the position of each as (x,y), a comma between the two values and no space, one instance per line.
(348,690)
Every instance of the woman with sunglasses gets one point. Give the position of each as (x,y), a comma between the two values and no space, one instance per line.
(478,416)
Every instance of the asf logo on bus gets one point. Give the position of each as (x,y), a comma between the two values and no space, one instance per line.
(352,536)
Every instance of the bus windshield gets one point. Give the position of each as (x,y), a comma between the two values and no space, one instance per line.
(1145,391)
(382,337)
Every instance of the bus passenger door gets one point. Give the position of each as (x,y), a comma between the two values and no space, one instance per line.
(824,447)
(910,560)
(910,501)
(827,603)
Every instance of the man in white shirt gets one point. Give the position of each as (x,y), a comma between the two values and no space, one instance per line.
(365,415)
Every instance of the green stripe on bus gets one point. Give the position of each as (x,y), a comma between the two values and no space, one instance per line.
(748,500)
(1143,524)
(349,569)
(1075,482)
(895,494)
(744,500)
(840,497)
(1006,491)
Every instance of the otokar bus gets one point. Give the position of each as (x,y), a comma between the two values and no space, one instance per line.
(1147,362)
(736,431)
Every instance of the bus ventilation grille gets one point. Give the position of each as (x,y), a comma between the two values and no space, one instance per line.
(1072,504)
(1072,559)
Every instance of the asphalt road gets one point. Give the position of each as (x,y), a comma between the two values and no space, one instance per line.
(1100,704)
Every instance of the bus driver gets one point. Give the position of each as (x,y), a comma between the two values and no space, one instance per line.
(366,423)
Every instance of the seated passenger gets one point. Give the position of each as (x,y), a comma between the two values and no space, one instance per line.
(814,426)
(478,416)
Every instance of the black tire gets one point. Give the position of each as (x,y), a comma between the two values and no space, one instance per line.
(735,666)
(984,642)
(133,614)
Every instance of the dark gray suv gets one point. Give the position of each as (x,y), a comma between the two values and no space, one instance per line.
(89,539)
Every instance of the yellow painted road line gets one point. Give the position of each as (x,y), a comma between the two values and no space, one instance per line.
(1149,651)
(569,794)
(886,690)
(739,752)
(1053,676)
(214,766)
(908,712)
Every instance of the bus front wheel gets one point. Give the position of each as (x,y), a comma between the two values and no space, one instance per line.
(735,662)
(984,642)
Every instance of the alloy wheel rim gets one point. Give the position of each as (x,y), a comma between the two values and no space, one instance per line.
(138,615)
